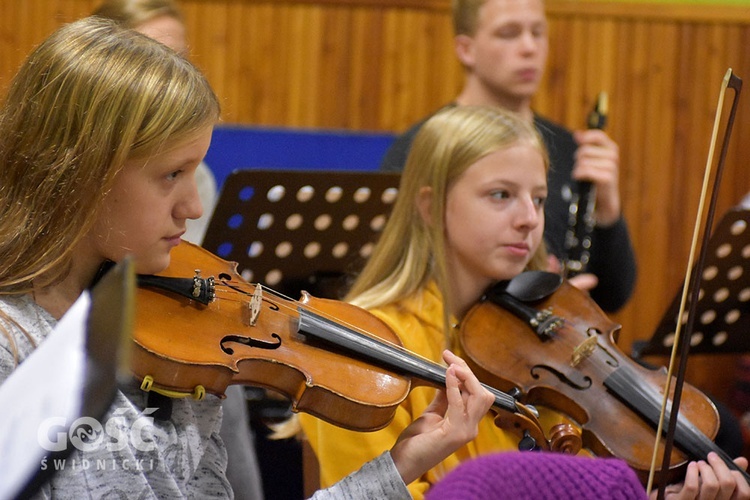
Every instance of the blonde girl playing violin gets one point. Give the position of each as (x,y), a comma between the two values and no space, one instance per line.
(470,212)
(100,136)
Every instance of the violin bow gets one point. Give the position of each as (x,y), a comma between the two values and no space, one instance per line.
(692,278)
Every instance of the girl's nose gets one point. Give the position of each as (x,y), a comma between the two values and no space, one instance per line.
(189,206)
(529,213)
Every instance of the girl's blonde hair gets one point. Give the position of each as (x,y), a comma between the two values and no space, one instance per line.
(91,96)
(410,252)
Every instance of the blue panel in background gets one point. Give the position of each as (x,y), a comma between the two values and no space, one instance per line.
(235,147)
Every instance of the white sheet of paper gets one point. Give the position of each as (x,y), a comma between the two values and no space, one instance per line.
(48,384)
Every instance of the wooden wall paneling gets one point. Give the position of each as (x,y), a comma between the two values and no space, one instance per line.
(546,100)
(333,104)
(420,70)
(279,81)
(626,125)
(606,58)
(208,43)
(441,75)
(242,37)
(413,80)
(739,154)
(444,71)
(661,167)
(674,12)
(657,172)
(392,48)
(367,61)
(397,85)
(577,75)
(400,85)
(9,34)
(733,178)
(303,59)
(264,82)
(358,51)
(250,82)
(449,74)
(25,24)
(302,49)
(736,182)
(701,88)
(646,165)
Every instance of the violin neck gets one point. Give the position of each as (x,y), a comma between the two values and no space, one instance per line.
(383,354)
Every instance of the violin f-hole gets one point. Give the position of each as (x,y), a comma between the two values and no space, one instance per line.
(250,342)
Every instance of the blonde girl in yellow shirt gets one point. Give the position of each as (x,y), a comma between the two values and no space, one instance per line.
(470,213)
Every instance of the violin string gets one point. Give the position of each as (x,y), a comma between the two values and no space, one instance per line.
(236,289)
(239,289)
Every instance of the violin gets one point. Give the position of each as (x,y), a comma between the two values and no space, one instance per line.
(551,340)
(195,335)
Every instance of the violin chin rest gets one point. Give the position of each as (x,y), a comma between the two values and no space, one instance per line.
(531,286)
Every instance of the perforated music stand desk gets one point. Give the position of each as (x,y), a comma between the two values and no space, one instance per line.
(294,229)
(722,321)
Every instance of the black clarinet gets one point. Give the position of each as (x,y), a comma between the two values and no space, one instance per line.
(581,219)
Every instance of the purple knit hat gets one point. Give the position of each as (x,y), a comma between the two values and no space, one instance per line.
(538,476)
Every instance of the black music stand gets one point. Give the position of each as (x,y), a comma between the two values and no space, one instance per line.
(722,322)
(72,374)
(298,229)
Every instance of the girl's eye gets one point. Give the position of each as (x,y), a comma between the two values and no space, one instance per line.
(499,195)
(540,200)
(173,175)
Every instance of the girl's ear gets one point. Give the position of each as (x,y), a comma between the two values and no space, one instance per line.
(464,46)
(424,204)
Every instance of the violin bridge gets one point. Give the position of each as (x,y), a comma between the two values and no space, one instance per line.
(583,350)
(253,306)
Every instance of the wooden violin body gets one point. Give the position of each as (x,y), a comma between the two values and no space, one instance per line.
(184,345)
(561,353)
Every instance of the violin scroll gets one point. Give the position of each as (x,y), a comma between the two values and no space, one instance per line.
(563,438)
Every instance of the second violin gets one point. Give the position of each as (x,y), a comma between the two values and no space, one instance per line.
(559,348)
